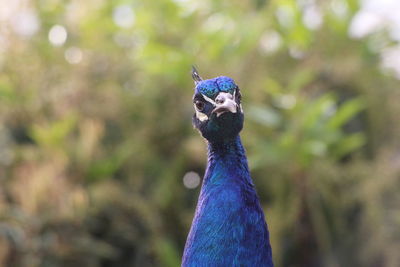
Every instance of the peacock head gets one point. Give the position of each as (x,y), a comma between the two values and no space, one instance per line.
(218,110)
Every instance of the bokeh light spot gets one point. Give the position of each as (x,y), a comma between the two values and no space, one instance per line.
(312,17)
(270,42)
(25,23)
(191,180)
(57,35)
(123,16)
(73,55)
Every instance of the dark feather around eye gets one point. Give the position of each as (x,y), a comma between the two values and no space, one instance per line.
(199,105)
(238,95)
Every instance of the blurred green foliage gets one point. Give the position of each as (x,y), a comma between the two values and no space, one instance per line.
(96,135)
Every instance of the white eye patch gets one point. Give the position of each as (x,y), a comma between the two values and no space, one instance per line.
(206,98)
(201,116)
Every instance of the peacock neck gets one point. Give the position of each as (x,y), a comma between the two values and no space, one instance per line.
(228,228)
(229,157)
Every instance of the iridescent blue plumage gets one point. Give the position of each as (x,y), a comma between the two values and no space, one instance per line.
(212,87)
(228,228)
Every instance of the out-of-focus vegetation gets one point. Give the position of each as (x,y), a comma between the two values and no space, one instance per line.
(96,135)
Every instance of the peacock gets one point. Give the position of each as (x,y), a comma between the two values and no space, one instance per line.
(229,228)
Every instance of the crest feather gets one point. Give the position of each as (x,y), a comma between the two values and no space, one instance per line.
(195,75)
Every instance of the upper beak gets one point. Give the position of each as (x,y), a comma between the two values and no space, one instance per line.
(223,103)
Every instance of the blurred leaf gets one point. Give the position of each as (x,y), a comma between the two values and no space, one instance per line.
(300,79)
(104,168)
(54,133)
(348,144)
(264,115)
(316,111)
(346,112)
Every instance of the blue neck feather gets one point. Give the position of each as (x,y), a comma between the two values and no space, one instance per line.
(228,228)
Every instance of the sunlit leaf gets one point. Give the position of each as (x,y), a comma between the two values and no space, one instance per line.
(346,112)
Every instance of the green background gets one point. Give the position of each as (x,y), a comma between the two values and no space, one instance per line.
(96,134)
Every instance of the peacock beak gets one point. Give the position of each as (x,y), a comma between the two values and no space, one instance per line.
(224,102)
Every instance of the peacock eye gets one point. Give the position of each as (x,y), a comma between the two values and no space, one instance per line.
(199,105)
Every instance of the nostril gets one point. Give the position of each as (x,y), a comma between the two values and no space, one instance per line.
(220,99)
